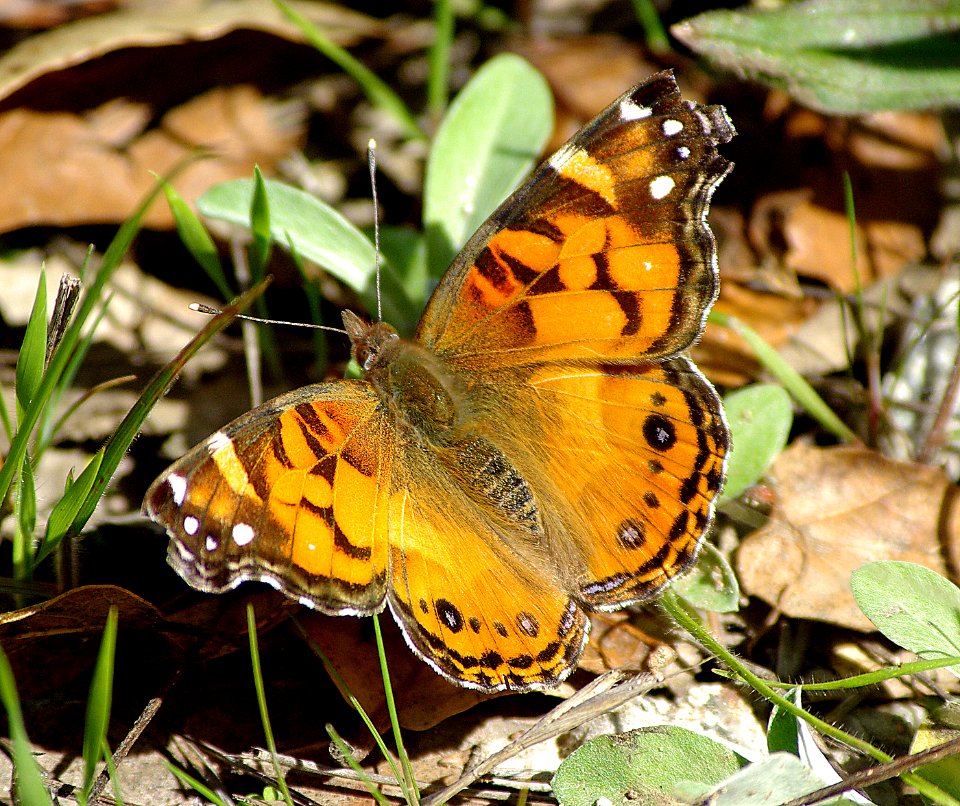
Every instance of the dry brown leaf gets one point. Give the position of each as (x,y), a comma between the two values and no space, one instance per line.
(79,169)
(817,241)
(68,626)
(423,698)
(839,508)
(167,24)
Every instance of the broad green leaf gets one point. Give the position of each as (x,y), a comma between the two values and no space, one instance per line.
(942,726)
(711,584)
(773,781)
(846,56)
(653,765)
(914,607)
(489,140)
(320,234)
(760,417)
(33,350)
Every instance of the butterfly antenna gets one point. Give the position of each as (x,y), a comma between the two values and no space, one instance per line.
(372,167)
(199,307)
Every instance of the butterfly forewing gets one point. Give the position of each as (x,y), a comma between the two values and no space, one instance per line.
(605,251)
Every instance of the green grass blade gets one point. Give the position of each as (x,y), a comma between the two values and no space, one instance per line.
(28,782)
(409,784)
(262,703)
(197,240)
(196,785)
(118,443)
(259,227)
(438,79)
(33,349)
(354,702)
(25,507)
(65,510)
(98,705)
(377,92)
(792,380)
(63,354)
(654,33)
(354,765)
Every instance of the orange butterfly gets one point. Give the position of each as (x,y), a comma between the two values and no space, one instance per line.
(540,449)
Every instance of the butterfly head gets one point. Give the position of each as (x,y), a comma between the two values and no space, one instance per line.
(368,340)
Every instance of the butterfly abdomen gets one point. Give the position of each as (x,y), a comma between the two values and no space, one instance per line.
(494,482)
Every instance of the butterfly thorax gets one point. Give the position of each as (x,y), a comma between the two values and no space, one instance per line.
(420,394)
(431,408)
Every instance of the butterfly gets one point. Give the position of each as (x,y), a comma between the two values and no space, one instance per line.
(540,449)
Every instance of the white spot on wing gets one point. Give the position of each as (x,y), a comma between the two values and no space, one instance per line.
(683,152)
(217,441)
(661,186)
(212,544)
(178,487)
(672,126)
(631,110)
(243,533)
(562,156)
(190,525)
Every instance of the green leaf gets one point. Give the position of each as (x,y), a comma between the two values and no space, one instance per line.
(773,781)
(98,705)
(197,240)
(846,56)
(438,79)
(377,92)
(66,509)
(489,140)
(651,764)
(792,381)
(406,251)
(259,226)
(320,234)
(33,350)
(760,417)
(939,728)
(27,501)
(922,615)
(29,783)
(711,584)
(64,353)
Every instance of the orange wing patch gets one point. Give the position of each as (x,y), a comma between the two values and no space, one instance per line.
(470,606)
(294,493)
(637,482)
(592,257)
